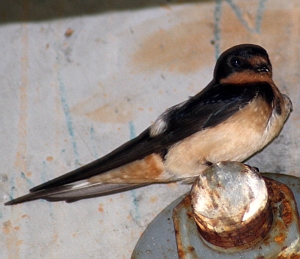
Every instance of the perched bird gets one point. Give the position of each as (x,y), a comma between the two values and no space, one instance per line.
(237,114)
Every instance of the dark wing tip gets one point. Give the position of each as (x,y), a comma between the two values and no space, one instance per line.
(39,187)
(74,193)
(12,202)
(22,199)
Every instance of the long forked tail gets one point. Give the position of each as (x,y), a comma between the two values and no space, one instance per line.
(71,193)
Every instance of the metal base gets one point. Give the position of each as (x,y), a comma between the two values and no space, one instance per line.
(158,240)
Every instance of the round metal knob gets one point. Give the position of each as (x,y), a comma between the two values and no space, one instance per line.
(231,206)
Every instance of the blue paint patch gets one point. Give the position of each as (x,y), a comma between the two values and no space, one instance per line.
(132,130)
(29,182)
(259,15)
(217,30)
(136,216)
(135,201)
(64,102)
(12,188)
(92,134)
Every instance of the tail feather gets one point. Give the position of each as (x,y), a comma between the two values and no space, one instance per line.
(72,193)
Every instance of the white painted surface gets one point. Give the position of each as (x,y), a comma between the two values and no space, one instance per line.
(66,100)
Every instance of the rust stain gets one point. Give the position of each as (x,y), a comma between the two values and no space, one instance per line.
(289,256)
(191,249)
(19,242)
(184,48)
(49,158)
(20,161)
(279,239)
(116,111)
(286,213)
(12,242)
(281,196)
(111,113)
(100,208)
(276,192)
(69,32)
(153,199)
(186,202)
(181,253)
(7,227)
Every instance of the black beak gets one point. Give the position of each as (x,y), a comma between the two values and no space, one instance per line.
(263,69)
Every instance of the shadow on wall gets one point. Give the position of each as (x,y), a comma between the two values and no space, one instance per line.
(40,10)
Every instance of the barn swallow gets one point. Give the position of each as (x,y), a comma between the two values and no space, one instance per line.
(237,114)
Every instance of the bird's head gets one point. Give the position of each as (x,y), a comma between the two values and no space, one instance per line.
(243,62)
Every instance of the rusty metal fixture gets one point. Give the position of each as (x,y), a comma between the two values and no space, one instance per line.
(231,206)
(159,239)
(234,212)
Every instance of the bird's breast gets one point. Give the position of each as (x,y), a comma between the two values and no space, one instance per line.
(235,139)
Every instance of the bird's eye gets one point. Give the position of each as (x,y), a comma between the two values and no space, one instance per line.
(235,62)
